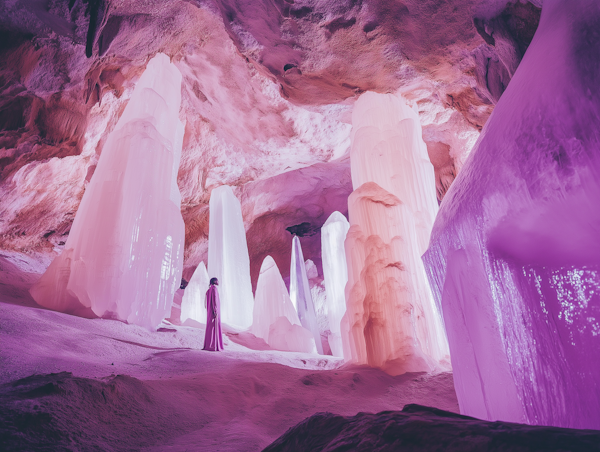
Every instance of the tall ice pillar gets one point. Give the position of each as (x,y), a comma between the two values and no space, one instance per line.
(228,258)
(514,258)
(335,272)
(391,320)
(124,254)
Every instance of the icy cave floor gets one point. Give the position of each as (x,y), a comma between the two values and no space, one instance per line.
(105,385)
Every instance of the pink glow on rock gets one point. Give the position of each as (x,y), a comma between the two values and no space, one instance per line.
(228,258)
(513,258)
(124,253)
(391,321)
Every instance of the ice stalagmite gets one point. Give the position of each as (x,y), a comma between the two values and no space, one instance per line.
(228,258)
(300,293)
(274,315)
(514,258)
(193,305)
(391,321)
(124,253)
(335,271)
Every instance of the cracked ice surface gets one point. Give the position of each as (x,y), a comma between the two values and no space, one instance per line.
(514,257)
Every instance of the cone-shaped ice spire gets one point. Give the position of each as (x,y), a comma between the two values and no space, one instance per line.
(228,258)
(193,302)
(335,272)
(300,293)
(273,302)
(124,253)
(391,321)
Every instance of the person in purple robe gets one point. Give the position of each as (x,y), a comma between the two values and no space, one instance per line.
(213,339)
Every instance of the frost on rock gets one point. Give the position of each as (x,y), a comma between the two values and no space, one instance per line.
(335,272)
(228,258)
(124,254)
(272,302)
(193,304)
(391,321)
(514,258)
(300,293)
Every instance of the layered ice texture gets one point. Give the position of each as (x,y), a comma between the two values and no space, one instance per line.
(335,273)
(300,293)
(391,320)
(228,258)
(193,304)
(124,254)
(514,258)
(275,318)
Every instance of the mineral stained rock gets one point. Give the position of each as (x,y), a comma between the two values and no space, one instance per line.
(228,258)
(335,271)
(391,320)
(300,293)
(124,253)
(514,259)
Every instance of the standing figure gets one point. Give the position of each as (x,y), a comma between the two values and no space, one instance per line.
(213,339)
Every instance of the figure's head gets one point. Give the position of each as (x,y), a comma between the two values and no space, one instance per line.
(214,282)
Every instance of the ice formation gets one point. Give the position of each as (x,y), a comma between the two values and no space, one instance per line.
(514,258)
(124,253)
(335,272)
(272,302)
(228,258)
(300,293)
(391,321)
(193,305)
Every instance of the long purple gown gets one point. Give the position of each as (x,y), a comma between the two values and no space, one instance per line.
(213,339)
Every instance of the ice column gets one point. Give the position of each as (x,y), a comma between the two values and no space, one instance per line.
(514,258)
(335,272)
(300,293)
(193,303)
(124,253)
(391,321)
(273,302)
(228,258)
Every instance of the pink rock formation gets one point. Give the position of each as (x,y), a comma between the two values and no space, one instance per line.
(124,253)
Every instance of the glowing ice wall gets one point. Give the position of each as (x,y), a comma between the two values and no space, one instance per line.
(228,258)
(300,293)
(193,303)
(391,321)
(335,271)
(272,301)
(124,253)
(514,258)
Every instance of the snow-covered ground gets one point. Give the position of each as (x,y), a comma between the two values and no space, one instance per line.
(180,397)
